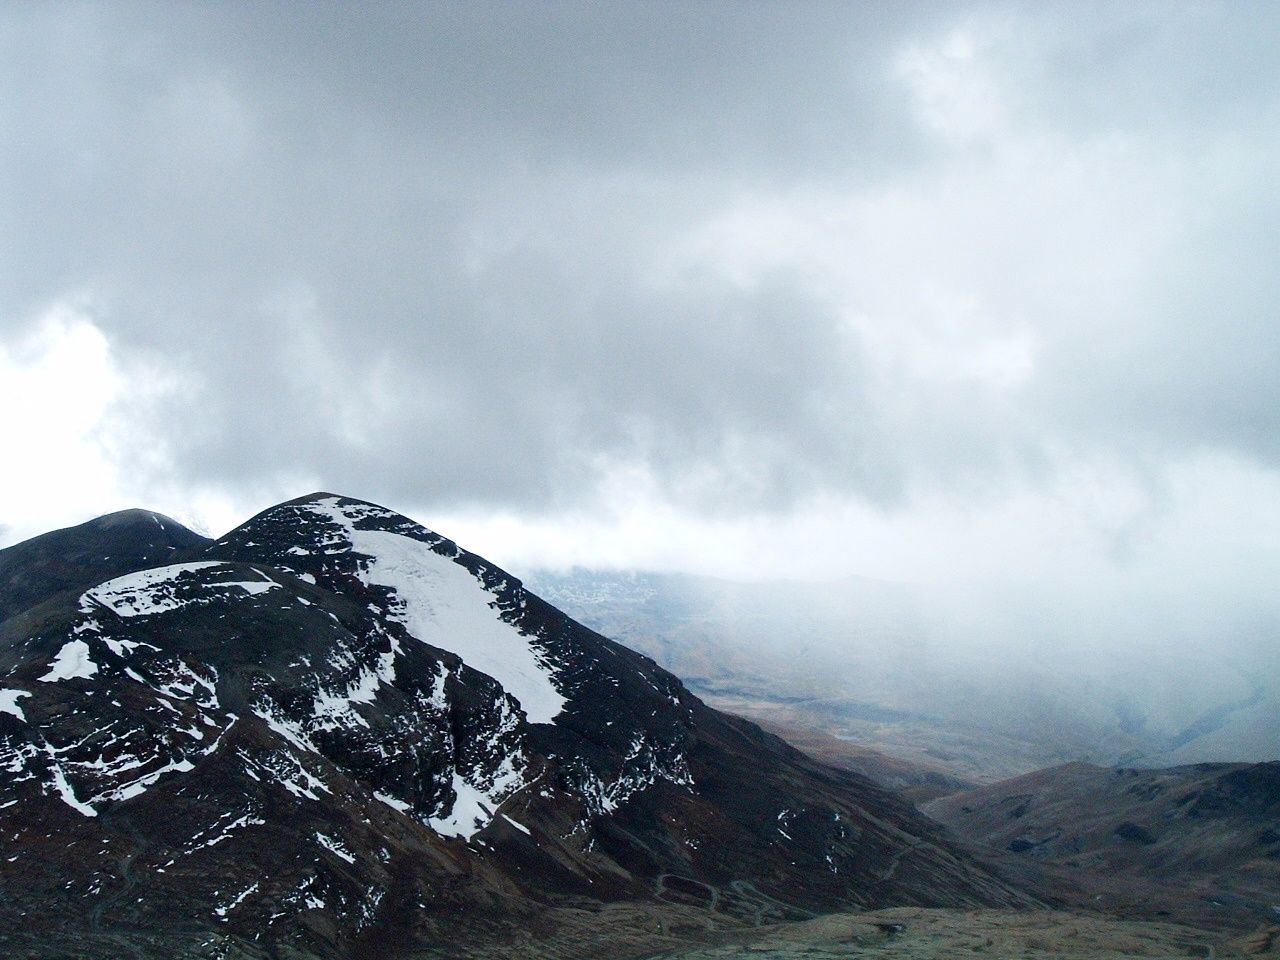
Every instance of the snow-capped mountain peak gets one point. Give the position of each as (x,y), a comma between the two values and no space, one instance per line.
(332,709)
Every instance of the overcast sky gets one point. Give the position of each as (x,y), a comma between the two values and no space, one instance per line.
(980,292)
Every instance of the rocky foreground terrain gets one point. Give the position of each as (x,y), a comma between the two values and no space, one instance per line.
(918,934)
(631,931)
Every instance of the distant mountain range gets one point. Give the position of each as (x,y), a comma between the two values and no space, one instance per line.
(878,664)
(334,733)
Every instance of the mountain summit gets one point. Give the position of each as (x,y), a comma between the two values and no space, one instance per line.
(333,732)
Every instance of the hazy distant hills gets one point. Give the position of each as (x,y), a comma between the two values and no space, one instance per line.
(1201,841)
(881,664)
(335,733)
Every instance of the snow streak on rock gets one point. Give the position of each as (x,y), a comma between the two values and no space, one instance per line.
(9,703)
(478,794)
(442,603)
(161,590)
(72,661)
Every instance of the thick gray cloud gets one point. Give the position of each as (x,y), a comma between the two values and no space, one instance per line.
(485,254)
(981,294)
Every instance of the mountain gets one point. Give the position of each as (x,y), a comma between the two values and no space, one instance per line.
(76,558)
(335,733)
(1200,842)
(916,672)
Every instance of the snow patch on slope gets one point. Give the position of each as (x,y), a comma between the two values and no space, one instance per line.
(393,802)
(471,812)
(149,592)
(67,794)
(442,603)
(72,661)
(335,847)
(334,709)
(9,703)
(284,726)
(478,794)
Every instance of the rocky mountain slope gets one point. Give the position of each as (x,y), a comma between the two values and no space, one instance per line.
(333,732)
(79,557)
(1199,842)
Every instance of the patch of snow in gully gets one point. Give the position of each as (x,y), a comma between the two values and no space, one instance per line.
(72,661)
(9,703)
(443,604)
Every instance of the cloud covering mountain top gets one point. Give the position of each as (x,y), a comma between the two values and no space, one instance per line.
(929,292)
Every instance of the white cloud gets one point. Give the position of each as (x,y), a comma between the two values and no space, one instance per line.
(58,383)
(921,295)
(75,433)
(955,92)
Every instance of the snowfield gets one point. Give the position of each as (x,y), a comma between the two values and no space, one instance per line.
(443,604)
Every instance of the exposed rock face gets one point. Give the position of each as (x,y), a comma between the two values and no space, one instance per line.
(335,730)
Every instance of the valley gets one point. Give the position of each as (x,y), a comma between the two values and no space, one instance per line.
(884,665)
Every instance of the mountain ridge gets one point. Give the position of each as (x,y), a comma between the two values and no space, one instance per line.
(75,557)
(298,693)
(1200,842)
